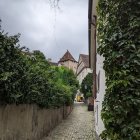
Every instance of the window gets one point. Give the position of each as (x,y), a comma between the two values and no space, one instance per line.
(95,92)
(94,20)
(97,115)
(98,82)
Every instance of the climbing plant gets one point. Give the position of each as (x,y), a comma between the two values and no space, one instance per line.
(119,43)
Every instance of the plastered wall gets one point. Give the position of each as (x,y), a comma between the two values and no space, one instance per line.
(29,122)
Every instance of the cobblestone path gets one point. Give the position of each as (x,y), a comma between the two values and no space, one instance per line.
(78,126)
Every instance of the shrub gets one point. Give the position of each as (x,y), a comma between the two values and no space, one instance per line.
(27,77)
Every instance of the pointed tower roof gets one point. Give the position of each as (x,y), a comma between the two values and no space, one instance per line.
(67,56)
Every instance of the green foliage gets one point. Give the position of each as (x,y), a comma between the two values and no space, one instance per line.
(27,77)
(118,34)
(86,85)
(13,69)
(67,76)
(66,81)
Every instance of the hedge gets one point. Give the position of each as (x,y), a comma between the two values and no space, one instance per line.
(28,78)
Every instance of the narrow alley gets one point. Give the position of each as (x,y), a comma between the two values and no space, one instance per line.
(78,126)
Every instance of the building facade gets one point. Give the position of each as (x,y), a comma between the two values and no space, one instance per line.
(68,61)
(96,63)
(83,67)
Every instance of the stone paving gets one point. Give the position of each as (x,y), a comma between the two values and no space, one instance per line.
(78,126)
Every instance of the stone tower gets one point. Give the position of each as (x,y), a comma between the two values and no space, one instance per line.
(68,61)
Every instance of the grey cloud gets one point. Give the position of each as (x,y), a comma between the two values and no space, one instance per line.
(52,31)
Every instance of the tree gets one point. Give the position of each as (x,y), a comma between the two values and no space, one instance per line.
(39,55)
(13,68)
(27,77)
(86,86)
(66,77)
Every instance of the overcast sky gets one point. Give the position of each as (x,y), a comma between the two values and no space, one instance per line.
(49,30)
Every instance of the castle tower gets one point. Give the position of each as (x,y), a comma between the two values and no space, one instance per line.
(68,61)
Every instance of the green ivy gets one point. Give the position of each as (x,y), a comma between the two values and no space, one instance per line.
(119,43)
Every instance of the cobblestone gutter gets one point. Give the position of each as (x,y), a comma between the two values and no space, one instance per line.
(79,125)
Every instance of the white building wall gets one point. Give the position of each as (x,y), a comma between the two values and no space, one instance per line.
(83,74)
(80,65)
(99,126)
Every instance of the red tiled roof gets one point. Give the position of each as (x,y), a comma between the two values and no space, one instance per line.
(67,56)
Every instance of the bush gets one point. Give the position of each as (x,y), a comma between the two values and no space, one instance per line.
(27,77)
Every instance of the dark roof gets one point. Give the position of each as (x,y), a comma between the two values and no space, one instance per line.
(53,63)
(67,56)
(85,59)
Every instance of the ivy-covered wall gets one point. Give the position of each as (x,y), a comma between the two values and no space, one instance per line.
(119,43)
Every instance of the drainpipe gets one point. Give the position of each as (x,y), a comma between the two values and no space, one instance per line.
(94,67)
(93,34)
